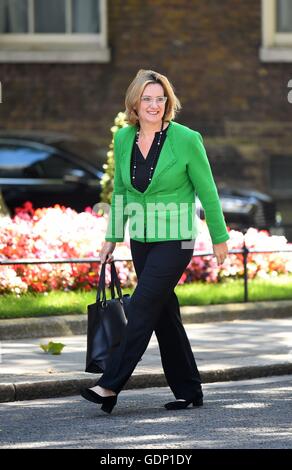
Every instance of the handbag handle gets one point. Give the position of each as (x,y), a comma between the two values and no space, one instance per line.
(115,282)
(101,286)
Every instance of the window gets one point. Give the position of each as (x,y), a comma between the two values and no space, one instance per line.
(284,17)
(55,166)
(281,174)
(276,31)
(53,31)
(20,161)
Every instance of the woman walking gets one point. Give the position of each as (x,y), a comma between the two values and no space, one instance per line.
(160,166)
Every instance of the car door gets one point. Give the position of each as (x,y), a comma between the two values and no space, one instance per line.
(38,173)
(69,182)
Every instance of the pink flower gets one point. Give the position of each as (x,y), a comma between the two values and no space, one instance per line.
(60,232)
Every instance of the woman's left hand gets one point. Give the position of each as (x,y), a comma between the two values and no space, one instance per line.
(220,251)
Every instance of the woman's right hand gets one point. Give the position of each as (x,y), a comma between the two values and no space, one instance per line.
(106,252)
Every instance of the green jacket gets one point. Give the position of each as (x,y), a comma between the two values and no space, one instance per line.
(166,210)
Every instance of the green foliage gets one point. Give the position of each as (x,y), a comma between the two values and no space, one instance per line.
(109,166)
(52,348)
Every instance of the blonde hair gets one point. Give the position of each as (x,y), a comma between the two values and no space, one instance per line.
(136,88)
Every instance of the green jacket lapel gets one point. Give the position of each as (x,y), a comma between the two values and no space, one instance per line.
(166,158)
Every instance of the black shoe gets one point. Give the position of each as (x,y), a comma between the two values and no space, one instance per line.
(108,403)
(182,404)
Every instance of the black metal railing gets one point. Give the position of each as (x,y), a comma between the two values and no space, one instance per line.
(244,251)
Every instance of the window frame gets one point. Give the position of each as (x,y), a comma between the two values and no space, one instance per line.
(276,47)
(67,47)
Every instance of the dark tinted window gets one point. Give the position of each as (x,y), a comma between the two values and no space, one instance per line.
(55,166)
(20,161)
(281,172)
(29,162)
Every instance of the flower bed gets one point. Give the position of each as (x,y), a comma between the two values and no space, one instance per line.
(59,232)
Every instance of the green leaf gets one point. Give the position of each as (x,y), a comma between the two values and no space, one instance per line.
(53,348)
(45,347)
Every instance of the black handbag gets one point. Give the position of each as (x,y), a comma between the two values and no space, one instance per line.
(107,320)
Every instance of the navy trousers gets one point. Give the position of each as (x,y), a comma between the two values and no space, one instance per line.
(154,307)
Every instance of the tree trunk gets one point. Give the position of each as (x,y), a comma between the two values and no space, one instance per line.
(3,208)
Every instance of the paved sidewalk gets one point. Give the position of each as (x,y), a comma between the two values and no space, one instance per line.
(223,350)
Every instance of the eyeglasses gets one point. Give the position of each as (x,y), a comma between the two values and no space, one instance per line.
(158,100)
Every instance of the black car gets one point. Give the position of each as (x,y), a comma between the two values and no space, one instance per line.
(245,208)
(50,168)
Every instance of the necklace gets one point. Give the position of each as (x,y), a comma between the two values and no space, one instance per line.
(154,154)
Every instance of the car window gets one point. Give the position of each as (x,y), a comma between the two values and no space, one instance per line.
(28,162)
(20,161)
(55,166)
